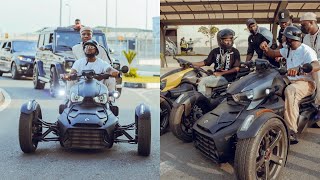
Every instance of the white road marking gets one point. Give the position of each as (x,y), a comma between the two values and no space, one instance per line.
(7,100)
(165,167)
(141,92)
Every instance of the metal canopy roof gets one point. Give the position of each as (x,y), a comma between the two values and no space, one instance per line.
(200,12)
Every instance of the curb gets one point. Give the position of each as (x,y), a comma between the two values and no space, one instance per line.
(2,98)
(142,85)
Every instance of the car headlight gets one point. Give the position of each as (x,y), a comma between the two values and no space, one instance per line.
(243,96)
(102,99)
(76,98)
(163,84)
(21,58)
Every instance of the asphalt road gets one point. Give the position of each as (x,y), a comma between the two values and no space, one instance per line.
(182,161)
(50,161)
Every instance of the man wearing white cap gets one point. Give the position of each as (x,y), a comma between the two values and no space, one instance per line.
(312,39)
(77,50)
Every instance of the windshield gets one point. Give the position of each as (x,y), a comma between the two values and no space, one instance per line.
(22,46)
(66,40)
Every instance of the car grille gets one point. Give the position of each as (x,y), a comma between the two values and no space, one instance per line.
(86,138)
(206,146)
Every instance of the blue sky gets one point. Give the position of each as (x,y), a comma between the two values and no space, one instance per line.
(21,16)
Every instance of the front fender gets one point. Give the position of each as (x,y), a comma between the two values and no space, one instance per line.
(142,110)
(257,123)
(29,107)
(189,99)
(164,98)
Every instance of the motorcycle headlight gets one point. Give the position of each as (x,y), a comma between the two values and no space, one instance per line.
(102,99)
(243,96)
(76,98)
(163,84)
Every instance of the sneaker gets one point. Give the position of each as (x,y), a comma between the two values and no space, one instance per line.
(293,138)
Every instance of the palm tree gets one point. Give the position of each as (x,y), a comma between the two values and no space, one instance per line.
(130,55)
(210,32)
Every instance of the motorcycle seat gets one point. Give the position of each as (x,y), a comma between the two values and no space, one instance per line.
(307,100)
(219,87)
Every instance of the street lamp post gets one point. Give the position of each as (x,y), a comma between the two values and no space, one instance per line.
(60,11)
(69,13)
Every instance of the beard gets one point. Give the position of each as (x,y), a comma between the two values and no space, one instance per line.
(90,55)
(304,30)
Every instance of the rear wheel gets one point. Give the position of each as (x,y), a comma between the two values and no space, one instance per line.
(181,125)
(37,84)
(54,82)
(143,122)
(165,110)
(30,128)
(1,73)
(263,156)
(14,71)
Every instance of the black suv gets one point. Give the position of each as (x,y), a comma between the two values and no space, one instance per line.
(55,57)
(17,57)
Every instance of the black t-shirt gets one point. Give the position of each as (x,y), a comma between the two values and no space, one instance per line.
(254,42)
(232,59)
(280,36)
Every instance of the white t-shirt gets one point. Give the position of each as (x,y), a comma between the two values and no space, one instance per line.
(313,41)
(302,55)
(78,51)
(99,66)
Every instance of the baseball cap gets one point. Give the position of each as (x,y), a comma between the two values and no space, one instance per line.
(309,16)
(284,15)
(86,28)
(251,21)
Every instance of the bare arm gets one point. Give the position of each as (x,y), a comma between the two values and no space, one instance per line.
(268,51)
(249,57)
(198,64)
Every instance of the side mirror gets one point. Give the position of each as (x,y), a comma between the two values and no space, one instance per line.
(111,51)
(124,69)
(48,47)
(116,65)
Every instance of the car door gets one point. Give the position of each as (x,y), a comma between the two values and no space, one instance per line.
(2,55)
(6,56)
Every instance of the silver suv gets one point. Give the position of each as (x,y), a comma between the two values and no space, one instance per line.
(54,56)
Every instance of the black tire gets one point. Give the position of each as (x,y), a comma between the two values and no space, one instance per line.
(1,73)
(14,71)
(37,84)
(54,82)
(165,110)
(30,127)
(265,152)
(182,126)
(144,134)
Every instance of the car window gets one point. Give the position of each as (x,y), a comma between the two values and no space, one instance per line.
(66,40)
(4,45)
(22,46)
(41,38)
